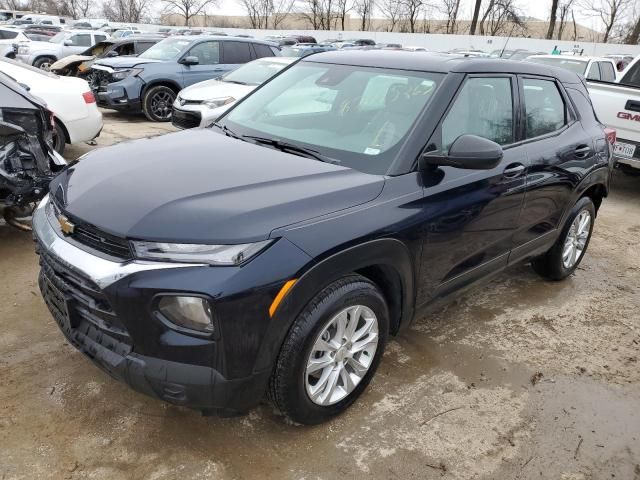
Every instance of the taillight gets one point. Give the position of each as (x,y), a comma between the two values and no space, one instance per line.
(89,97)
(610,133)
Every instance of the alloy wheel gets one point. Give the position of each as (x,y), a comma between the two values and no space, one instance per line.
(341,355)
(576,240)
(161,104)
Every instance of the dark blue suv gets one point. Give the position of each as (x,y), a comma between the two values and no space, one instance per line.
(151,81)
(275,252)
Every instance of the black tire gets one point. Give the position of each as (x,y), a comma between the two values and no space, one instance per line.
(44,63)
(551,264)
(157,103)
(59,139)
(287,388)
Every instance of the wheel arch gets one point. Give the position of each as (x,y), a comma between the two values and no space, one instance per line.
(67,137)
(385,262)
(595,186)
(160,83)
(43,55)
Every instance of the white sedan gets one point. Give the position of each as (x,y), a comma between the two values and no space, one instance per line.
(76,114)
(200,104)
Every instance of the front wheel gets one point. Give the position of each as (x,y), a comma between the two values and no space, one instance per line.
(157,103)
(44,63)
(568,251)
(332,351)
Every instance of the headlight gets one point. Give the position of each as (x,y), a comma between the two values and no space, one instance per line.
(193,253)
(188,312)
(218,102)
(122,74)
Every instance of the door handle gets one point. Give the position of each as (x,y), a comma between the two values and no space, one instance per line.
(513,170)
(582,151)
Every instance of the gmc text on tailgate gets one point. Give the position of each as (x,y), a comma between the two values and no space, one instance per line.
(272,254)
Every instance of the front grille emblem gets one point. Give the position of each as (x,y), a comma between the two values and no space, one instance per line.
(65,225)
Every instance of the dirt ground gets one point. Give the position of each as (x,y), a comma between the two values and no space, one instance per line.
(517,379)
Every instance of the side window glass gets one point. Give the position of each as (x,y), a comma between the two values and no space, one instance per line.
(81,40)
(236,52)
(143,47)
(545,109)
(262,50)
(632,77)
(594,72)
(607,71)
(484,107)
(208,53)
(100,38)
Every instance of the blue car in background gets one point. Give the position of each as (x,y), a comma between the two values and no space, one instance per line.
(150,82)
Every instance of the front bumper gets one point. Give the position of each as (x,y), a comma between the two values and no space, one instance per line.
(195,115)
(81,289)
(123,95)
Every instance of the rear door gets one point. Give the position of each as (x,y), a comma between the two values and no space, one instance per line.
(209,55)
(560,152)
(473,214)
(78,43)
(234,54)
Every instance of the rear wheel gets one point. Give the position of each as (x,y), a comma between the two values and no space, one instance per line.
(568,251)
(332,351)
(44,63)
(157,103)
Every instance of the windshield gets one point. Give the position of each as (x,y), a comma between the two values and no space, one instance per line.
(58,37)
(254,73)
(575,66)
(168,49)
(355,116)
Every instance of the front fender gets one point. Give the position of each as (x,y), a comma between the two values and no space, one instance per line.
(385,252)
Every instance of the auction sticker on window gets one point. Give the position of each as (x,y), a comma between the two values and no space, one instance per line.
(625,150)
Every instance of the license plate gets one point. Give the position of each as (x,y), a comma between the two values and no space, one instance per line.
(625,150)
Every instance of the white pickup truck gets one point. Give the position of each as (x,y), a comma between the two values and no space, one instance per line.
(617,105)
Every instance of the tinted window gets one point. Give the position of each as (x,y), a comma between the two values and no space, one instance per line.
(607,72)
(5,35)
(100,38)
(262,50)
(594,72)
(143,46)
(81,40)
(632,77)
(236,52)
(544,106)
(208,53)
(491,101)
(125,49)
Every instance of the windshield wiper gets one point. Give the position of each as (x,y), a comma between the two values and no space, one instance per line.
(226,130)
(291,148)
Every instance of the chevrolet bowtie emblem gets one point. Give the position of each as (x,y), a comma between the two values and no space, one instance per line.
(65,225)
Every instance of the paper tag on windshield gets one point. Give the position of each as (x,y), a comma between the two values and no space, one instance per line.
(371,151)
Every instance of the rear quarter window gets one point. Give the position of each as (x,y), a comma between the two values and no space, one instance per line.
(236,52)
(262,50)
(545,109)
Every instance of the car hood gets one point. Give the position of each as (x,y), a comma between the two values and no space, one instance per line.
(71,59)
(124,62)
(215,89)
(199,186)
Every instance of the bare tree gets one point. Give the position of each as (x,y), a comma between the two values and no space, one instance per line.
(474,19)
(450,8)
(411,10)
(501,18)
(257,12)
(608,11)
(364,9)
(343,7)
(280,10)
(634,35)
(187,8)
(128,11)
(552,19)
(392,11)
(565,9)
(317,13)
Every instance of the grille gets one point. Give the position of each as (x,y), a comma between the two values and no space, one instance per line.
(98,80)
(182,119)
(95,238)
(78,305)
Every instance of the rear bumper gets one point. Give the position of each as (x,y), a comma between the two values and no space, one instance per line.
(633,162)
(87,128)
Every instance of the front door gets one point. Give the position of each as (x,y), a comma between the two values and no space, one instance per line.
(470,216)
(208,67)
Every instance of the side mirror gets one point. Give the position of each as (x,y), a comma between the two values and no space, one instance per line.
(68,43)
(468,152)
(112,53)
(190,60)
(25,86)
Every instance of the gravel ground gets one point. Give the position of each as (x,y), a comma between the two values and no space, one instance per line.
(517,379)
